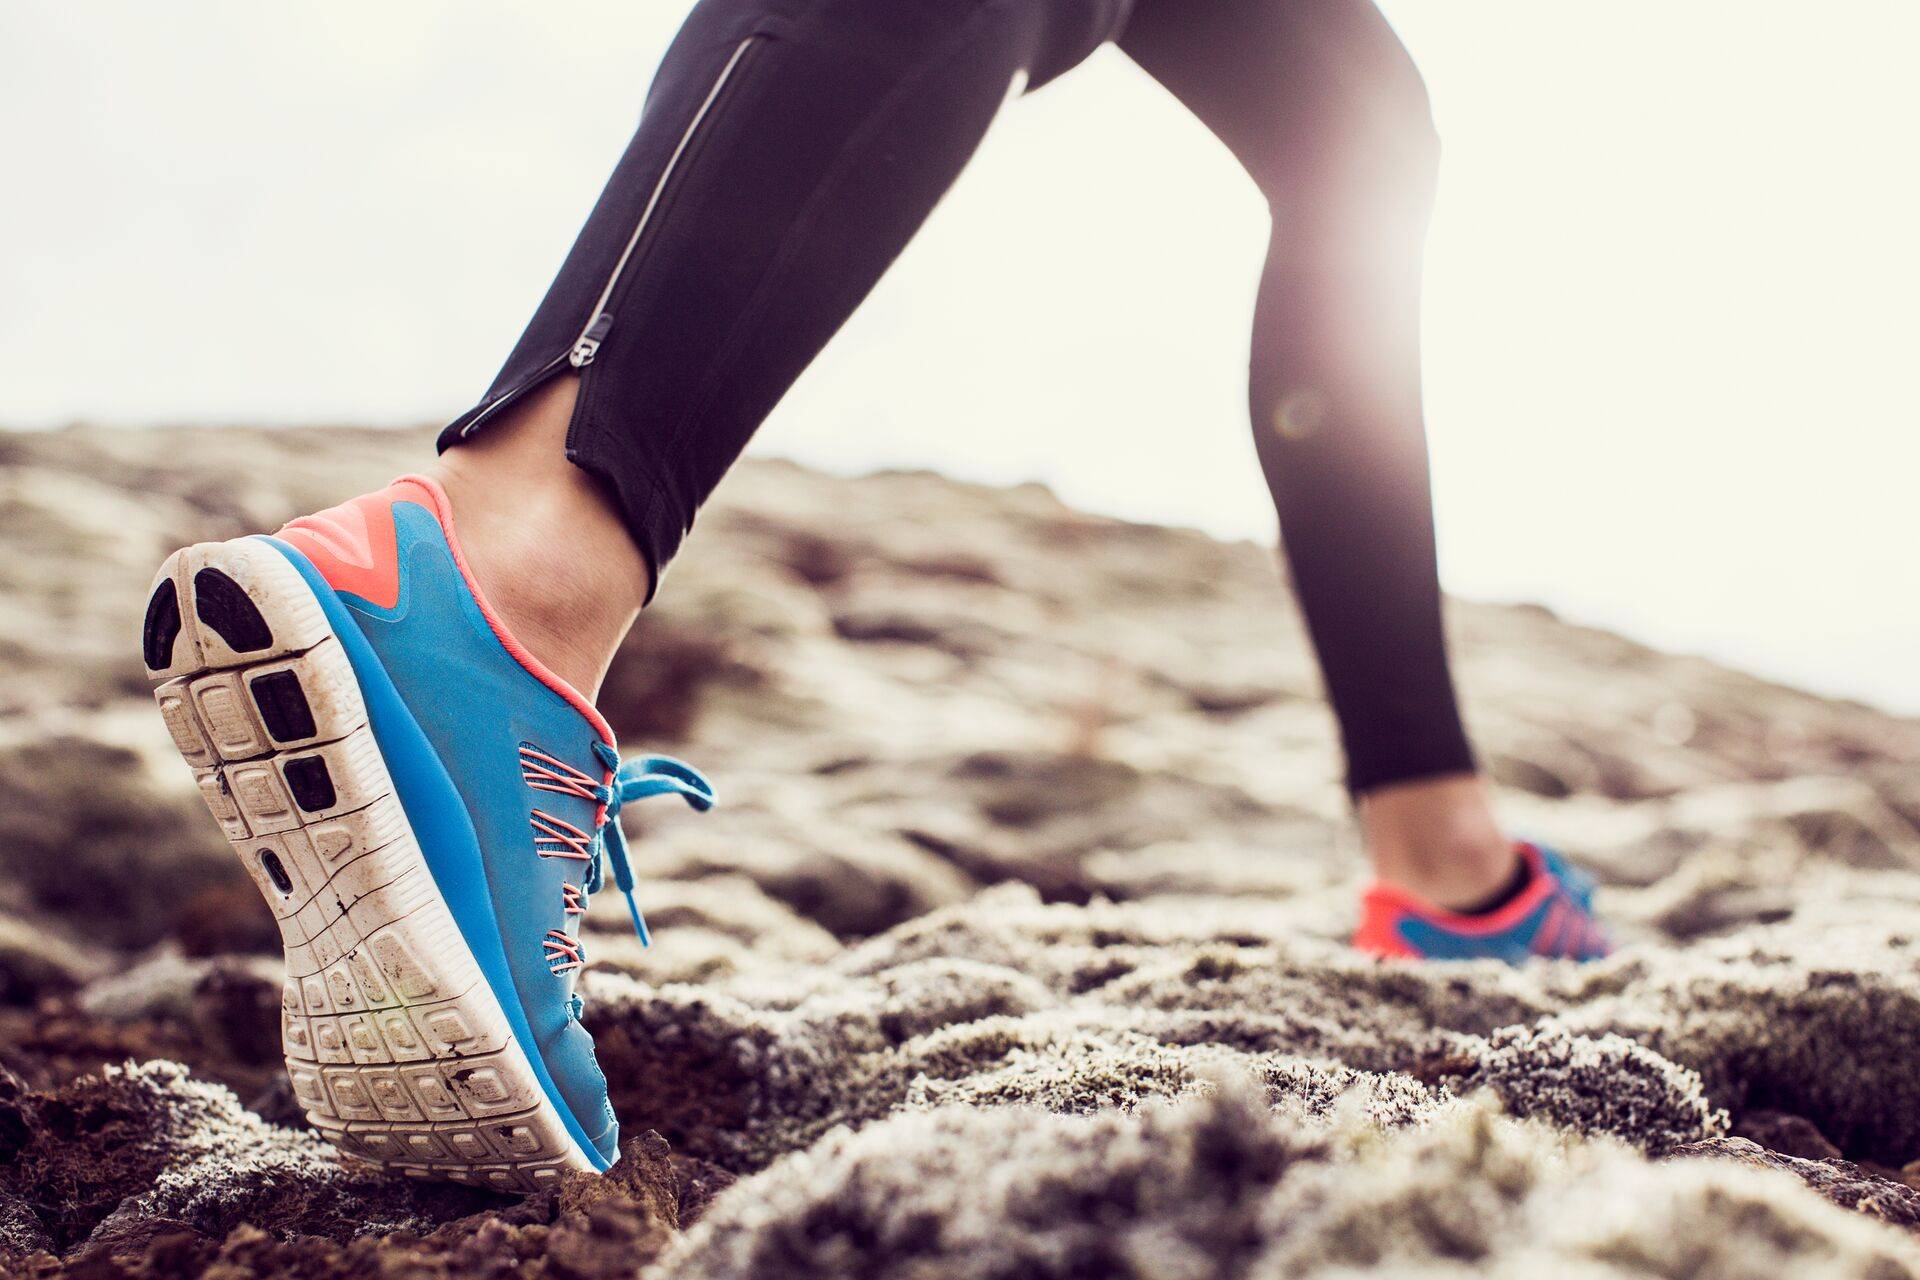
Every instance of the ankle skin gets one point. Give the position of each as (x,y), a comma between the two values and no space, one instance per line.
(1437,839)
(544,540)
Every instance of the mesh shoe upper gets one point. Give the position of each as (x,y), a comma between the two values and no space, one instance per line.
(1551,916)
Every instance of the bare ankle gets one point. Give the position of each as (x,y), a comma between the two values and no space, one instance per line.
(544,539)
(1437,838)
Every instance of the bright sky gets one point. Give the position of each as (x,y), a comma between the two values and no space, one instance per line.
(1672,302)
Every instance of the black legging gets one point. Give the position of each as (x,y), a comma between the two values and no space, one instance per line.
(789,150)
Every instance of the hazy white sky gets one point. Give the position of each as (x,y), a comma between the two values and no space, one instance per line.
(1672,315)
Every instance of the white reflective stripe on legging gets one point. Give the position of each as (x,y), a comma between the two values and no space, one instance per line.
(589,340)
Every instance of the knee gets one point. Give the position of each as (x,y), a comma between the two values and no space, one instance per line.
(1410,133)
(904,27)
(1043,38)
(875,29)
(1359,138)
(1405,138)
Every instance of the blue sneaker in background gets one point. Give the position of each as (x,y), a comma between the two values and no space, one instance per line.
(1551,915)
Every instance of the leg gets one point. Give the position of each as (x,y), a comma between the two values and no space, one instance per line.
(383,705)
(1321,104)
(788,151)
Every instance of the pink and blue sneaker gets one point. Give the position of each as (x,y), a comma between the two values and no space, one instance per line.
(1551,915)
(426,810)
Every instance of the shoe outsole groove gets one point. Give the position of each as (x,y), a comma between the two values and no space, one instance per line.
(162,627)
(312,785)
(283,706)
(219,603)
(396,1047)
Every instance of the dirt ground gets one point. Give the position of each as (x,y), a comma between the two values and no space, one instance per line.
(1015,947)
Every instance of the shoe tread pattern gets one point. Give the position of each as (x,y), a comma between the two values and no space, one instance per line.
(396,1047)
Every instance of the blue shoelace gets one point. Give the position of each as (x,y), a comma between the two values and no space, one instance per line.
(637,779)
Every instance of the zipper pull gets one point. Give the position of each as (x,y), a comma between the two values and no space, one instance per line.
(583,351)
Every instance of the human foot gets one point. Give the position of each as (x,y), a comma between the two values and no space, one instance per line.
(1550,914)
(425,807)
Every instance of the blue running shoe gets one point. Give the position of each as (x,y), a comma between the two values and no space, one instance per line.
(426,810)
(1551,916)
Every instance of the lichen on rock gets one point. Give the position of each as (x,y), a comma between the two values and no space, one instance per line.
(1017,946)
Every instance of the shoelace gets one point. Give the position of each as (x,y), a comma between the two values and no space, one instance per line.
(636,779)
(1570,928)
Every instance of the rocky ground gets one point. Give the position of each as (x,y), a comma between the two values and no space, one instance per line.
(1015,950)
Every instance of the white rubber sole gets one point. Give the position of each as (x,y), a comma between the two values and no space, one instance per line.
(397,1048)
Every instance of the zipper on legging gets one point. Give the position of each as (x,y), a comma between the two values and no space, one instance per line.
(587,345)
(540,375)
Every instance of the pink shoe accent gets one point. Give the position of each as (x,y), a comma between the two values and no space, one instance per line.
(557,838)
(1377,936)
(352,545)
(544,773)
(563,952)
